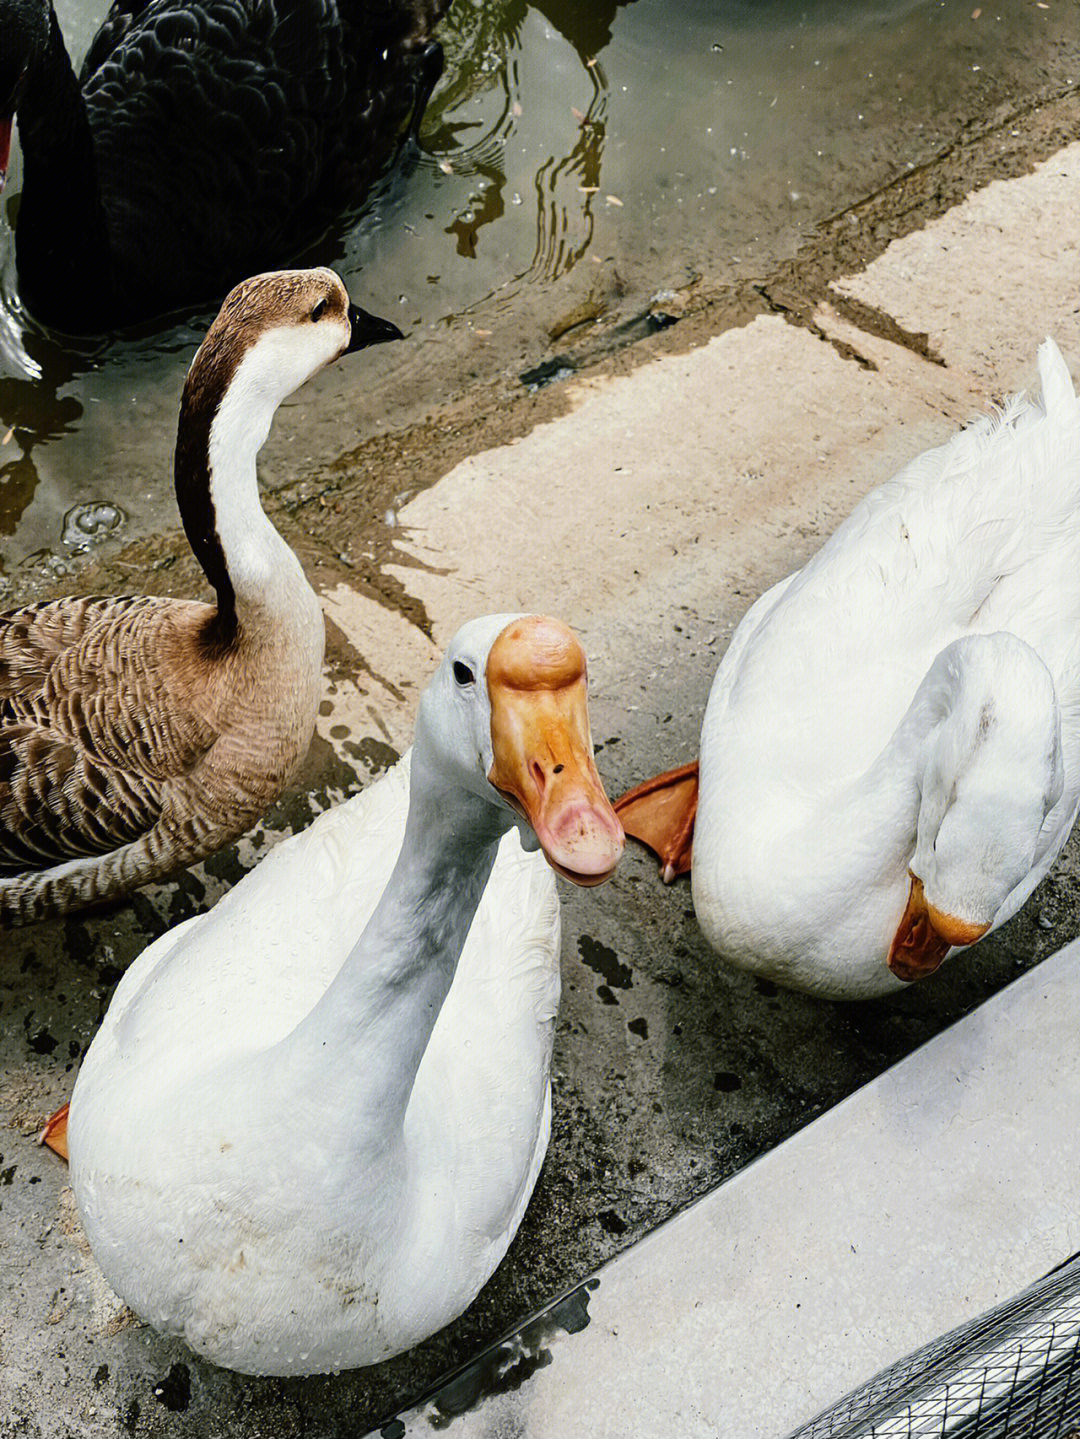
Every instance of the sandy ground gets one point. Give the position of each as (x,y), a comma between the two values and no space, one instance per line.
(647,500)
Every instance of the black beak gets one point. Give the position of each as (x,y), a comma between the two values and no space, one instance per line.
(369,330)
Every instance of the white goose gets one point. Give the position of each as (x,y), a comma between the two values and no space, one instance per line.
(890,756)
(312,1118)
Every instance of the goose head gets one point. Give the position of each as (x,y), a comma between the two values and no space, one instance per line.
(507,718)
(994,772)
(24,34)
(277,330)
(274,332)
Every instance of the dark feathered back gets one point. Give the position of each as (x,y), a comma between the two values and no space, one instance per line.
(226,135)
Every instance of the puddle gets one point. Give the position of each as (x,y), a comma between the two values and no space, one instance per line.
(580,160)
(506,1366)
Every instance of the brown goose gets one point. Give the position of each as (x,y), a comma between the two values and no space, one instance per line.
(140,734)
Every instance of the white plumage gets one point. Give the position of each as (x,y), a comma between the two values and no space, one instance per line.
(908,700)
(236,981)
(312,1119)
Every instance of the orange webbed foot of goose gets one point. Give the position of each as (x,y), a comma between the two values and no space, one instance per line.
(55,1133)
(661,813)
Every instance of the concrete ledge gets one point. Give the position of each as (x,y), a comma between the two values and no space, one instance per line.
(936,1191)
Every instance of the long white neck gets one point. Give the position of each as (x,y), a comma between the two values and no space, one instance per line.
(356,1055)
(226,412)
(266,577)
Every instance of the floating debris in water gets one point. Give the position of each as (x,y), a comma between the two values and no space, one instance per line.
(91,522)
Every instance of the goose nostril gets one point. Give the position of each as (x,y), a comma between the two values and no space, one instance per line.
(558,769)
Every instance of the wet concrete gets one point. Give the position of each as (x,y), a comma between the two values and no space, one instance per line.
(588,170)
(648,502)
(931,1195)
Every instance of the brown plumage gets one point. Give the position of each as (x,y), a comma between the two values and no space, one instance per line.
(140,734)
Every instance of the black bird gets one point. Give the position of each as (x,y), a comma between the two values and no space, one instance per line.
(203,140)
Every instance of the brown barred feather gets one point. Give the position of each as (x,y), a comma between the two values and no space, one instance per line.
(92,726)
(120,739)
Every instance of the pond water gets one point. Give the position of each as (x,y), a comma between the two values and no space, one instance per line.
(578,157)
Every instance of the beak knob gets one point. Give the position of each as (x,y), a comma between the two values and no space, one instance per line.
(365,330)
(542,751)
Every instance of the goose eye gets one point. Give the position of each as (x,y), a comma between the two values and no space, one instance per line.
(463,674)
(319,310)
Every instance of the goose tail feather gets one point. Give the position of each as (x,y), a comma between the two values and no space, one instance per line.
(1058,391)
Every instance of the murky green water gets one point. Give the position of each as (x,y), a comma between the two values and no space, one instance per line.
(575,155)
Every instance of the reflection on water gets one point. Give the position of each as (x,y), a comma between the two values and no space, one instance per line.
(563,185)
(33,369)
(577,157)
(483,156)
(560,243)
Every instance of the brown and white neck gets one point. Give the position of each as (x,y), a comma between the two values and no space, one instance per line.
(225,417)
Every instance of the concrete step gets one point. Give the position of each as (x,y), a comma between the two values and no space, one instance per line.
(933,1193)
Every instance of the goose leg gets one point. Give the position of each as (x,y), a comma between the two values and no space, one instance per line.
(660,813)
(55,1133)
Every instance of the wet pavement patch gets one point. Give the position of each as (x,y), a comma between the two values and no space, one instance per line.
(605,962)
(612,1222)
(503,1368)
(174,1391)
(42,1042)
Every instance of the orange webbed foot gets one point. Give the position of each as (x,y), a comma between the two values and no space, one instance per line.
(55,1133)
(661,813)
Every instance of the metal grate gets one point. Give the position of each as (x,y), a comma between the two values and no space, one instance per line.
(1012,1372)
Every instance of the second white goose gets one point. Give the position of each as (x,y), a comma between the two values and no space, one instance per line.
(890,756)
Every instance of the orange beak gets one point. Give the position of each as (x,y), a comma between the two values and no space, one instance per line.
(543,759)
(925,936)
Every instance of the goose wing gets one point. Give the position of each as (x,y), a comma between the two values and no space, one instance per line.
(206,121)
(93,725)
(974,536)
